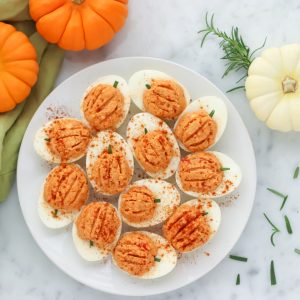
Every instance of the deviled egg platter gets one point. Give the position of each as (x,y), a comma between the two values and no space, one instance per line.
(143,204)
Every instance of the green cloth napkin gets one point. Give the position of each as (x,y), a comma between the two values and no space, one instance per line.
(14,123)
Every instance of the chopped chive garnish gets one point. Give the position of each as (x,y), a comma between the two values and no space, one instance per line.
(91,244)
(296,173)
(145,130)
(276,193)
(109,149)
(148,86)
(288,225)
(272,274)
(156,200)
(274,229)
(205,213)
(297,251)
(238,279)
(283,202)
(224,169)
(47,139)
(116,84)
(157,259)
(279,195)
(239,258)
(211,114)
(55,212)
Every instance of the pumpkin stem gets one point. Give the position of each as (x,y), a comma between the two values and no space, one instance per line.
(78,1)
(289,85)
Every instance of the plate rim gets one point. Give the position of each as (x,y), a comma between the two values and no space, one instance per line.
(253,158)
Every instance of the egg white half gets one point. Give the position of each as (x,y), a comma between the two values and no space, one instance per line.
(168,258)
(46,211)
(41,148)
(136,128)
(169,199)
(138,81)
(100,143)
(92,253)
(234,175)
(122,87)
(209,104)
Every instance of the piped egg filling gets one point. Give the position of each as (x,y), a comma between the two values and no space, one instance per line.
(164,99)
(138,204)
(66,188)
(200,172)
(111,172)
(187,228)
(135,253)
(67,138)
(103,107)
(196,130)
(154,151)
(99,223)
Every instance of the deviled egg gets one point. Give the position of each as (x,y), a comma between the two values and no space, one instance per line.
(201,124)
(153,145)
(148,202)
(64,193)
(109,163)
(158,93)
(96,230)
(106,103)
(208,174)
(144,255)
(193,224)
(62,140)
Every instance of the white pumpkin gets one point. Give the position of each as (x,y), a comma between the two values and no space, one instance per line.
(273,87)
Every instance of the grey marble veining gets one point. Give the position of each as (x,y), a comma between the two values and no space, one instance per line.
(168,29)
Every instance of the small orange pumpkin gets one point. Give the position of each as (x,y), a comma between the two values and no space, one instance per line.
(18,67)
(78,24)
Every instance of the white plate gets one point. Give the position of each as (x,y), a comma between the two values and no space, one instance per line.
(58,245)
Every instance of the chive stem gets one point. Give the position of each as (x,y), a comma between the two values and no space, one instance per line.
(283,202)
(239,258)
(274,229)
(296,173)
(224,169)
(148,86)
(238,279)
(109,149)
(91,244)
(157,200)
(272,273)
(157,259)
(211,114)
(116,84)
(297,251)
(288,225)
(145,130)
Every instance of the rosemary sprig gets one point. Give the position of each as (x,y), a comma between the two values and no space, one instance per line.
(237,54)
(274,229)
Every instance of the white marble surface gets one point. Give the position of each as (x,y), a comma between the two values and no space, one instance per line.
(168,29)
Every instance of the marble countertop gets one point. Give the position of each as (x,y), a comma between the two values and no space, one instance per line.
(168,29)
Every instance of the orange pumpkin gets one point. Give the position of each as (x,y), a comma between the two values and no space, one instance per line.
(78,24)
(18,67)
